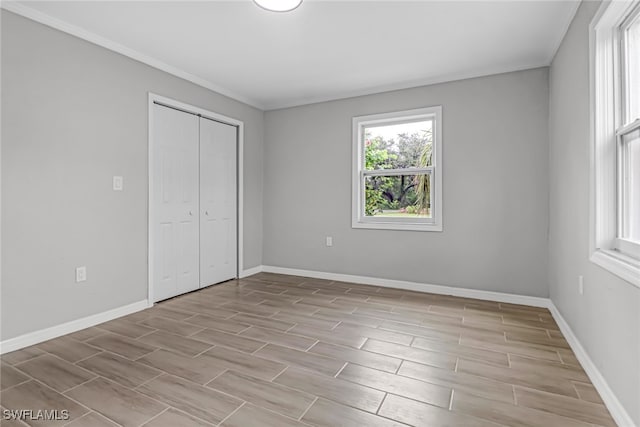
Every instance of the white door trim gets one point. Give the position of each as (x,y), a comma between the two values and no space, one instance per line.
(154,98)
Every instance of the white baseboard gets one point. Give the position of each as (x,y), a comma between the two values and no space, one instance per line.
(619,414)
(414,286)
(250,271)
(42,335)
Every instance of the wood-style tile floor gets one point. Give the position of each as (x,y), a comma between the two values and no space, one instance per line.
(274,350)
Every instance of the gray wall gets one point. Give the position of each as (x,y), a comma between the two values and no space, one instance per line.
(606,318)
(494,199)
(73,115)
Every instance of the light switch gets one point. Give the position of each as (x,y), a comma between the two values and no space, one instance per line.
(81,274)
(118,183)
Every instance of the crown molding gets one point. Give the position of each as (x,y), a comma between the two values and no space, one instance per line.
(42,18)
(575,6)
(35,15)
(448,78)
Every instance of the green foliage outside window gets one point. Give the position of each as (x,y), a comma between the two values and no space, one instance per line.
(404,194)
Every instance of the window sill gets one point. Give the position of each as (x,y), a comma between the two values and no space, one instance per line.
(406,226)
(625,267)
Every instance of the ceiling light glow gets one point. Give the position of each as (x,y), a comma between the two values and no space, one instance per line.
(278,5)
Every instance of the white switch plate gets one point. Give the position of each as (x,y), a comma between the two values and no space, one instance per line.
(580,285)
(329,241)
(118,183)
(81,274)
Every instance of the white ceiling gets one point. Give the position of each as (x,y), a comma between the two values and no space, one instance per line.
(324,49)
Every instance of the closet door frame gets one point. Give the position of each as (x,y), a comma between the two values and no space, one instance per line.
(187,108)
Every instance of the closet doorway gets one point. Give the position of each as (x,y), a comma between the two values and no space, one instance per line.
(193,198)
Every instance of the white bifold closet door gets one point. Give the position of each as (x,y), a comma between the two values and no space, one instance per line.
(194,197)
(176,202)
(218,202)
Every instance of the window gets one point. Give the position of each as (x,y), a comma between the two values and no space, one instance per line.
(397,170)
(628,133)
(615,49)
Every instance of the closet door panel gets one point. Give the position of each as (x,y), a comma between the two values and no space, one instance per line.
(218,202)
(175,202)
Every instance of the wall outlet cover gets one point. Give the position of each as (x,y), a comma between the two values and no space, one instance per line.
(580,285)
(118,183)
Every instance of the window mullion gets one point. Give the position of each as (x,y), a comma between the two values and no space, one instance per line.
(396,172)
(627,129)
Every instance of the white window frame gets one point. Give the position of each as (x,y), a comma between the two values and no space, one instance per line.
(359,219)
(608,126)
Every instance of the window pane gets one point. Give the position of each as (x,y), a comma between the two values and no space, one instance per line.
(398,146)
(401,196)
(633,69)
(631,191)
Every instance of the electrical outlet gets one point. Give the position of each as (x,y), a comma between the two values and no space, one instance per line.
(118,183)
(329,241)
(81,274)
(580,285)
